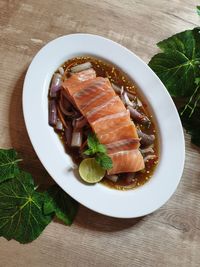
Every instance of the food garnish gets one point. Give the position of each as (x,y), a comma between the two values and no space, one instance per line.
(100,115)
(90,171)
(99,151)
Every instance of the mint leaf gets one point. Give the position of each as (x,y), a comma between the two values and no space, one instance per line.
(21,215)
(94,145)
(178,65)
(198,10)
(101,148)
(104,161)
(92,142)
(100,152)
(61,204)
(88,152)
(8,164)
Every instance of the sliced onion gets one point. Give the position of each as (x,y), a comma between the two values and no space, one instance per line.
(59,125)
(52,112)
(139,103)
(149,149)
(131,96)
(127,100)
(68,135)
(118,90)
(146,139)
(84,144)
(81,67)
(56,83)
(61,117)
(112,178)
(79,122)
(61,70)
(65,106)
(69,99)
(76,138)
(122,95)
(148,157)
(138,117)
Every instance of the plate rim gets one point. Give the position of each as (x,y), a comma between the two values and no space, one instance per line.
(31,135)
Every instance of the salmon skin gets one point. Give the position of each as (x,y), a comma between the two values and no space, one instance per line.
(109,119)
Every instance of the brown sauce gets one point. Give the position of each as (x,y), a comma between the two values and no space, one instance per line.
(116,76)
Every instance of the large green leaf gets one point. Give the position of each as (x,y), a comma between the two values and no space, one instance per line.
(198,10)
(192,124)
(178,65)
(8,164)
(21,214)
(61,204)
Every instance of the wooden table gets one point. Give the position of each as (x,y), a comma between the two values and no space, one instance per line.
(169,236)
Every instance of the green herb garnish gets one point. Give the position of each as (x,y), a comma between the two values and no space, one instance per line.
(178,66)
(61,204)
(104,161)
(25,212)
(94,146)
(99,151)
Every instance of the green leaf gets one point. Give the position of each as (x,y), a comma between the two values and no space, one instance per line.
(197,81)
(178,64)
(8,164)
(21,215)
(94,145)
(92,142)
(192,124)
(104,161)
(61,204)
(101,148)
(192,104)
(88,152)
(198,10)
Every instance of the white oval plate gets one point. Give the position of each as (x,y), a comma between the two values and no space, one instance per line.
(121,204)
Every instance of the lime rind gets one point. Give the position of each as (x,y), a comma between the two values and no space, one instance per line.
(90,171)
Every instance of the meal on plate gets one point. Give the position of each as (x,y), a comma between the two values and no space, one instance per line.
(103,123)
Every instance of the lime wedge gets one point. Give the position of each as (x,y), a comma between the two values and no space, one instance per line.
(90,171)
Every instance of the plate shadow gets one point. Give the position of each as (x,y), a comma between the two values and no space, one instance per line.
(91,220)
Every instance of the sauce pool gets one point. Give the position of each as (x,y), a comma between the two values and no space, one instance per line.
(117,77)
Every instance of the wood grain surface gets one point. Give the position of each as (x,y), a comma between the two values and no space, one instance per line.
(169,236)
